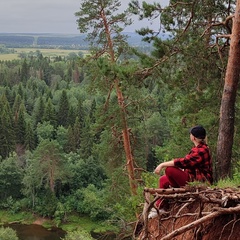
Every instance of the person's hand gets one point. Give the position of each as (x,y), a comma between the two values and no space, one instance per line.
(158,169)
(163,165)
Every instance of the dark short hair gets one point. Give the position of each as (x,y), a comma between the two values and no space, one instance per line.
(198,132)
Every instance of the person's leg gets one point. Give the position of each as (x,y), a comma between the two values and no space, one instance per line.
(163,183)
(160,203)
(176,177)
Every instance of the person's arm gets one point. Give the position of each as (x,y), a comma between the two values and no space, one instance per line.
(163,165)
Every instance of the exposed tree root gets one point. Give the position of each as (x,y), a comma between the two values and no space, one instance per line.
(194,214)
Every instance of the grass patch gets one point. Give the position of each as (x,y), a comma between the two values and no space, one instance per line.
(76,222)
(228,183)
(21,217)
(222,183)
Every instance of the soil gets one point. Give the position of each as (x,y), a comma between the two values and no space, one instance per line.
(40,221)
(182,221)
(225,227)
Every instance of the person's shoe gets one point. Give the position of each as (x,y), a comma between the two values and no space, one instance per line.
(154,213)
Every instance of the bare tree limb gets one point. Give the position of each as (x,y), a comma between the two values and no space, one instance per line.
(196,223)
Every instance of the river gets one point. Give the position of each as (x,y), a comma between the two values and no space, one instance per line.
(37,232)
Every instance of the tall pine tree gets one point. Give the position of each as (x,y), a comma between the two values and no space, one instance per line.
(104,25)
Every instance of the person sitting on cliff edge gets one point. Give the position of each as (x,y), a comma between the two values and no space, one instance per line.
(195,166)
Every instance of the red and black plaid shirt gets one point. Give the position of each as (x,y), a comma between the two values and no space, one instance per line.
(197,163)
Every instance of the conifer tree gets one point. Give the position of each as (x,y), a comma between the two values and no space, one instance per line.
(48,164)
(92,111)
(39,110)
(17,103)
(20,126)
(8,94)
(69,75)
(199,36)
(227,110)
(76,74)
(71,115)
(30,139)
(74,136)
(7,136)
(24,74)
(80,114)
(71,144)
(20,90)
(50,113)
(63,110)
(87,138)
(104,27)
(77,132)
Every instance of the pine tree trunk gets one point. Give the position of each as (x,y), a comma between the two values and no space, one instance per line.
(126,142)
(125,132)
(227,110)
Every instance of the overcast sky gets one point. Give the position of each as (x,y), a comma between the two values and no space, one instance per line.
(45,16)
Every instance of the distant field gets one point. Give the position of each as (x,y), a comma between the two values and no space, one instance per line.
(6,57)
(45,52)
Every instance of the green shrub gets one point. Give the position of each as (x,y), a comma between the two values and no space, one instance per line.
(78,235)
(8,234)
(94,203)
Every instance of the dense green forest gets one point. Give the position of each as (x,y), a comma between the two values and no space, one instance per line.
(63,120)
(60,151)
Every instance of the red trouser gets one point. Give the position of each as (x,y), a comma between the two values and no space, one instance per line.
(174,177)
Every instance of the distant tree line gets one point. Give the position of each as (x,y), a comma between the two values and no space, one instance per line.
(58,41)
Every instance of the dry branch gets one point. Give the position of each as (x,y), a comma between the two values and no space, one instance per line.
(165,191)
(196,223)
(219,202)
